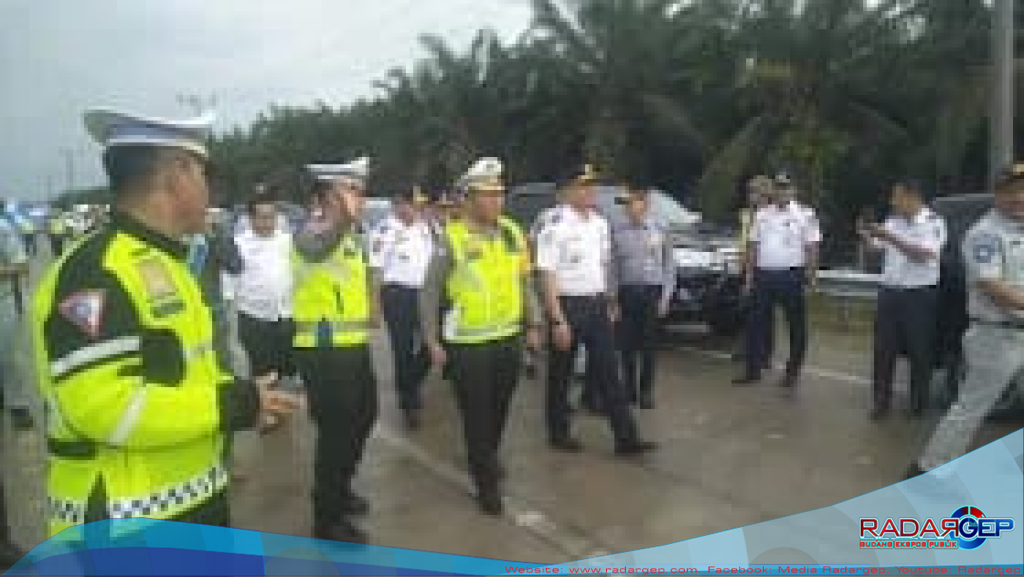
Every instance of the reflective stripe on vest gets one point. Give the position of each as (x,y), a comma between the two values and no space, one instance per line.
(488,332)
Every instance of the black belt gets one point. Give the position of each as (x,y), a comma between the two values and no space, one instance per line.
(903,289)
(1000,324)
(72,449)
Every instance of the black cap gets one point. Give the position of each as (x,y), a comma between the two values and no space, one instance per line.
(414,195)
(579,174)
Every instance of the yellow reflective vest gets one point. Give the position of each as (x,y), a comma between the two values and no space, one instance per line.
(126,364)
(485,286)
(331,299)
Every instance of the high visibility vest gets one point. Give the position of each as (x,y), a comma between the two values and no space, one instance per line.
(155,451)
(485,286)
(331,299)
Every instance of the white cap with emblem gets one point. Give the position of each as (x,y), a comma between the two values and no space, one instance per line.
(117,128)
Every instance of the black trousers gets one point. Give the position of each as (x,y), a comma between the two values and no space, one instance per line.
(268,344)
(591,327)
(905,322)
(485,376)
(341,390)
(777,287)
(638,331)
(400,307)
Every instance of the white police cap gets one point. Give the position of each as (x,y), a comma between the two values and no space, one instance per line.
(485,175)
(117,128)
(357,171)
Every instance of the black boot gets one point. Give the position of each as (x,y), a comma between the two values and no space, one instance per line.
(488,497)
(341,530)
(353,504)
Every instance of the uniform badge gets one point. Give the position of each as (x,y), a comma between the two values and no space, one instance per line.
(84,309)
(156,278)
(985,248)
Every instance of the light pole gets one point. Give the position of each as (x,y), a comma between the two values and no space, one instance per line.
(1001,117)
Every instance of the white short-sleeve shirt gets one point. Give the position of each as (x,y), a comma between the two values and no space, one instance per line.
(263,289)
(401,252)
(926,230)
(577,249)
(782,235)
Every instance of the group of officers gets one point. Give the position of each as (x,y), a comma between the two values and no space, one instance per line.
(141,403)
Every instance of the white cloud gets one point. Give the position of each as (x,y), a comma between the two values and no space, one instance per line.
(60,56)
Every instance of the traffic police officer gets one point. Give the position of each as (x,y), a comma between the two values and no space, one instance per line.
(333,305)
(645,272)
(400,248)
(784,260)
(483,264)
(137,404)
(912,239)
(574,258)
(994,257)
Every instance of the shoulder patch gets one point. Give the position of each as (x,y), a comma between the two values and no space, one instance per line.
(84,309)
(156,278)
(985,247)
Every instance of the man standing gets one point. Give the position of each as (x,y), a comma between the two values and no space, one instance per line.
(261,290)
(645,271)
(400,249)
(574,258)
(13,270)
(333,305)
(905,321)
(994,258)
(784,261)
(138,404)
(759,195)
(483,264)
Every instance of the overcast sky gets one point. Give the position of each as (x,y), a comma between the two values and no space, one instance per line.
(58,57)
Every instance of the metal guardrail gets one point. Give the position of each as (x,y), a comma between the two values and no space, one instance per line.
(848,284)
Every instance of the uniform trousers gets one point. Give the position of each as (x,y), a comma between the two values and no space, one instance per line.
(400,308)
(905,322)
(995,359)
(341,390)
(588,320)
(485,376)
(638,330)
(773,287)
(268,344)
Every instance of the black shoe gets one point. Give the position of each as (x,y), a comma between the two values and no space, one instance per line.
(9,554)
(788,382)
(879,412)
(567,445)
(914,470)
(592,408)
(352,504)
(646,400)
(412,419)
(21,419)
(343,530)
(746,380)
(636,447)
(489,500)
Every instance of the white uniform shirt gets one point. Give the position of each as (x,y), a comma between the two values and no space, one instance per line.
(926,230)
(401,253)
(994,250)
(782,235)
(577,250)
(263,289)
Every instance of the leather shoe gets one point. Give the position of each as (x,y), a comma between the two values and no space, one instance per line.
(637,447)
(352,504)
(788,382)
(343,530)
(567,445)
(914,470)
(489,500)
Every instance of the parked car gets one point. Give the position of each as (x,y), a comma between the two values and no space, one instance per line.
(708,275)
(961,212)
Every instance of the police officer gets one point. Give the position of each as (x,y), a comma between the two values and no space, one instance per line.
(400,249)
(137,403)
(912,239)
(574,258)
(994,256)
(13,269)
(645,272)
(783,248)
(758,195)
(57,230)
(333,307)
(483,264)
